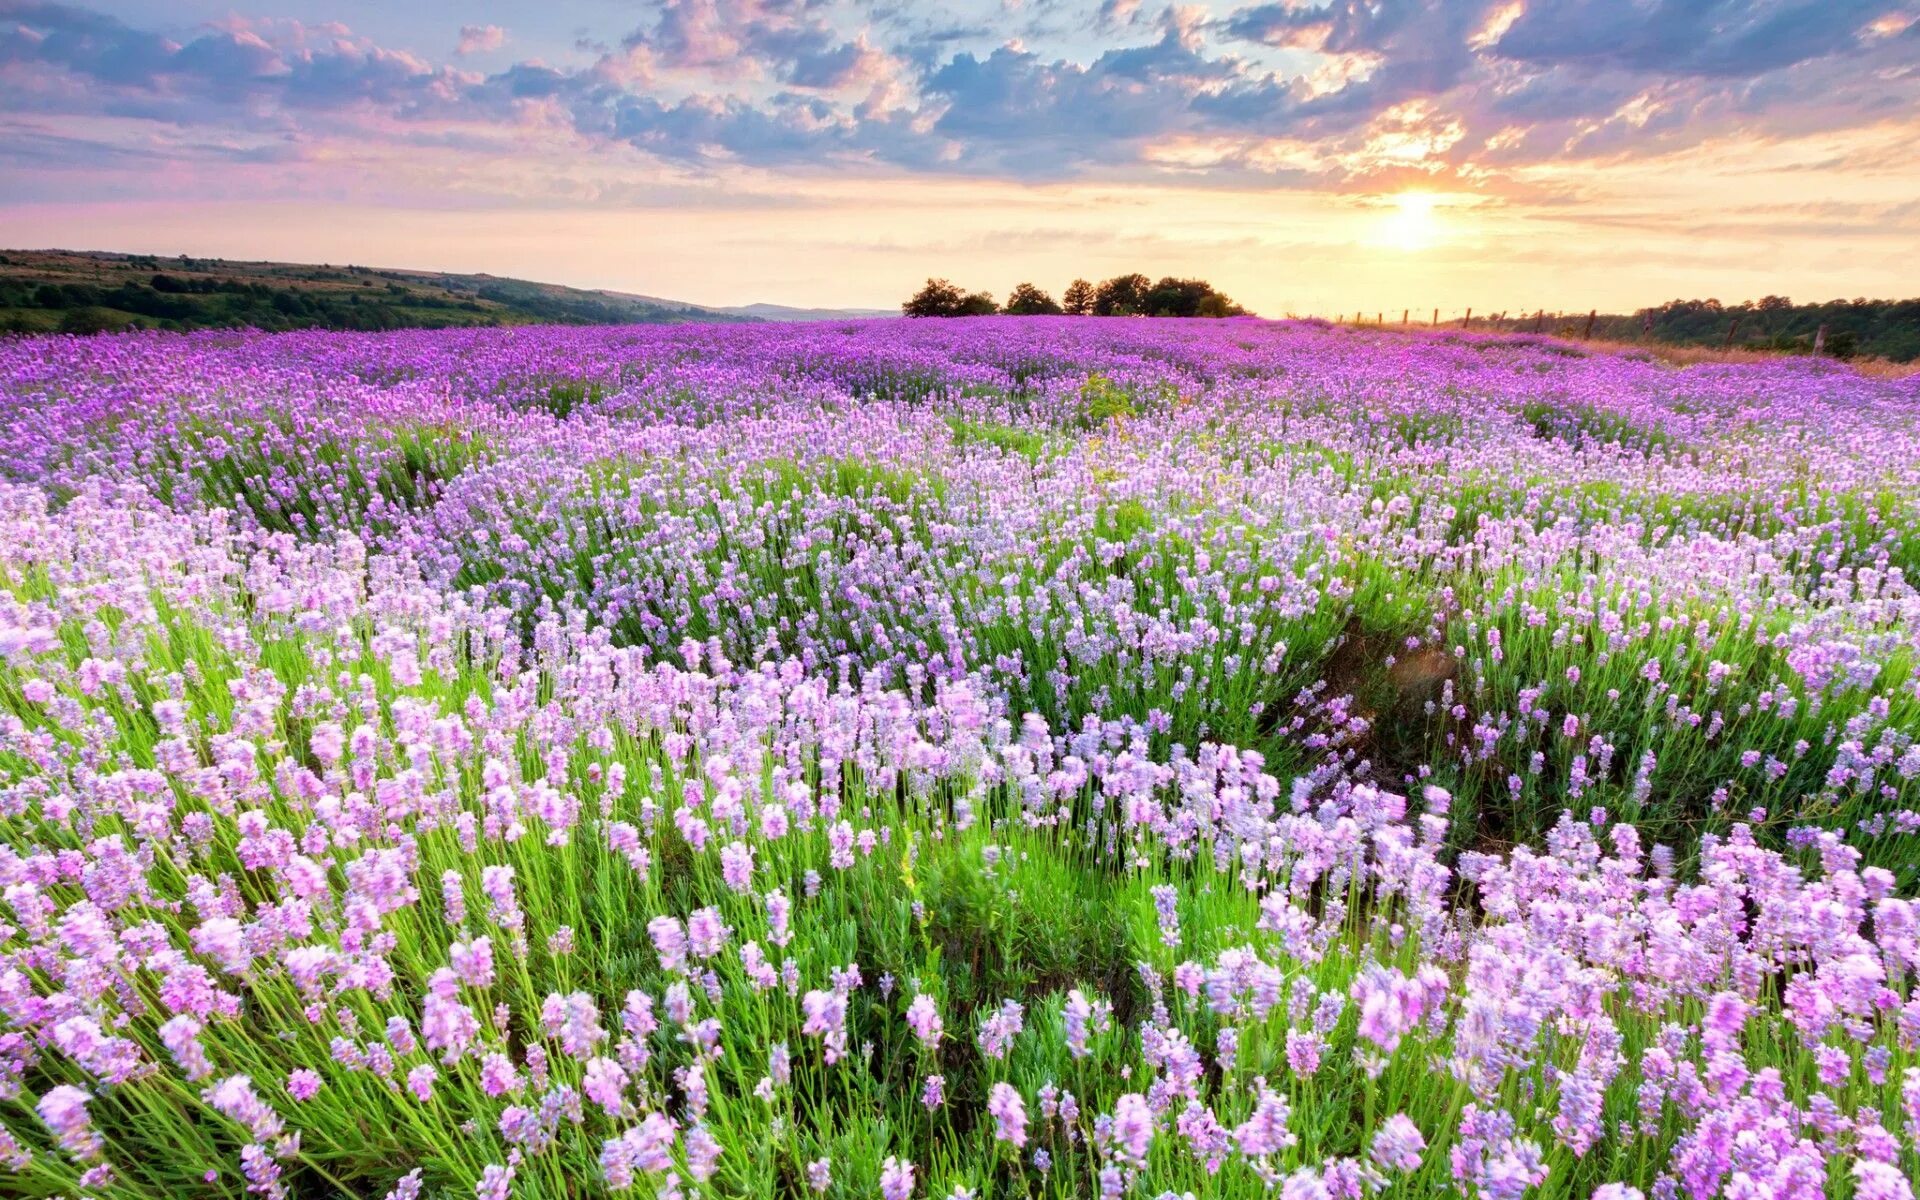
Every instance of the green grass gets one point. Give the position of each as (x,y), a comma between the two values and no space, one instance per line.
(1582,425)
(1030,444)
(1390,622)
(293,475)
(1012,905)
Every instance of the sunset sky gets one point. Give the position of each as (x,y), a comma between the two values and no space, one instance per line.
(1307,158)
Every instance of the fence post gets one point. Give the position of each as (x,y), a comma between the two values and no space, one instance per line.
(1436,318)
(1731,330)
(1820,338)
(1587,333)
(1466,322)
(1403,315)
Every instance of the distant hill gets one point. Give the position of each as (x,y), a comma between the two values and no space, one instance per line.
(781,312)
(43,291)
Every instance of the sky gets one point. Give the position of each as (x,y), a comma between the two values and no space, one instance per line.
(1307,158)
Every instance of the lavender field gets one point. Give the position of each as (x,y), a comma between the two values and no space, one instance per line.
(993,758)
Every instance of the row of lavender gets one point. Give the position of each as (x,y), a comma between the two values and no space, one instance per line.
(1000,758)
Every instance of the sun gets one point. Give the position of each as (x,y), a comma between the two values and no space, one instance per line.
(1411,224)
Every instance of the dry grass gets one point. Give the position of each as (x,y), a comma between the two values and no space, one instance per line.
(1880,368)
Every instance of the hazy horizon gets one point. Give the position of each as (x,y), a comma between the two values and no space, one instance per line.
(1317,159)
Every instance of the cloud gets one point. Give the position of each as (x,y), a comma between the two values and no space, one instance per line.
(788,42)
(480,39)
(235,73)
(1116,14)
(1688,38)
(1335,94)
(82,42)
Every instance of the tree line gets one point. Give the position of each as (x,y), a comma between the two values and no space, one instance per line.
(1133,295)
(142,292)
(170,302)
(1888,329)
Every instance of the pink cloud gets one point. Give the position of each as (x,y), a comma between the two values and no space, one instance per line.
(478,39)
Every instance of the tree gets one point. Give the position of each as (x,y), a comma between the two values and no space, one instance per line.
(942,299)
(87,320)
(1027,300)
(1077,300)
(1122,296)
(937,299)
(1176,297)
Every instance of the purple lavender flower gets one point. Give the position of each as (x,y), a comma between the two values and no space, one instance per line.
(923,1017)
(1009,1114)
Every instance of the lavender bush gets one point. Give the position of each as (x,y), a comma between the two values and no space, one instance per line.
(993,758)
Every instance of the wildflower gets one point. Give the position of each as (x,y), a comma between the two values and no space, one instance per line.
(1009,1114)
(647,1146)
(64,1110)
(1165,899)
(223,940)
(495,1183)
(574,1020)
(825,1015)
(669,942)
(1390,1006)
(1578,1122)
(1080,1017)
(13,1156)
(472,962)
(706,933)
(1304,1049)
(181,1036)
(896,1179)
(703,1152)
(1133,1129)
(779,913)
(409,1187)
(235,1099)
(1265,1132)
(1398,1144)
(1880,1181)
(498,1076)
(736,866)
(923,1017)
(420,1081)
(1000,1028)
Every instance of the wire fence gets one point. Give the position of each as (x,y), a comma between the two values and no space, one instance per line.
(1562,324)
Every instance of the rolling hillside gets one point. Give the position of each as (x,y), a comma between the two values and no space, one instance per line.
(44,291)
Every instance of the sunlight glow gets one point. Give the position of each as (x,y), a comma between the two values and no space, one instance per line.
(1410,224)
